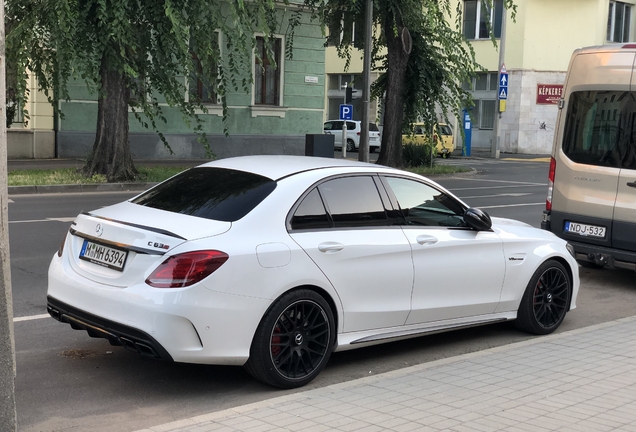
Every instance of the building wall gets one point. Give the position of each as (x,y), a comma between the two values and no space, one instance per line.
(32,137)
(538,48)
(253,128)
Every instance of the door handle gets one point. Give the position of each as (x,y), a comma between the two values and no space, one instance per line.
(330,247)
(632,184)
(426,240)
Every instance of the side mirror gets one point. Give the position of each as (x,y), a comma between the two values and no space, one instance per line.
(477,219)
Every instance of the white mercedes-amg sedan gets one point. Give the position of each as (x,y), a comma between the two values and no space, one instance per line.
(274,262)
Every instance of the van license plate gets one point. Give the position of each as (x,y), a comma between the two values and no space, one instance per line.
(585,230)
(103,255)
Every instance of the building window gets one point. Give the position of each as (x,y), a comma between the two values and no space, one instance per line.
(483,81)
(480,17)
(483,114)
(618,22)
(267,72)
(198,86)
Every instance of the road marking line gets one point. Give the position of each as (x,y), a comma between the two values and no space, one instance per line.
(512,205)
(30,318)
(473,180)
(494,187)
(498,195)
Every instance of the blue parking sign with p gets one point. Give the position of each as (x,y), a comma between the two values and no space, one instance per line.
(346,112)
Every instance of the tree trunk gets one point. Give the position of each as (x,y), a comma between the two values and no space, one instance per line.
(391,150)
(111,154)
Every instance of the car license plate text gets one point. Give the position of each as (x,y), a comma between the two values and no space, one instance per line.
(585,230)
(103,255)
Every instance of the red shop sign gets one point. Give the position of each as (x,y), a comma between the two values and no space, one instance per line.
(548,94)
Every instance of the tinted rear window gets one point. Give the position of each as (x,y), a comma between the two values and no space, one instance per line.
(211,193)
(373,127)
(600,128)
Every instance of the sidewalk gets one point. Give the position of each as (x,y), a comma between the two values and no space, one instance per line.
(581,380)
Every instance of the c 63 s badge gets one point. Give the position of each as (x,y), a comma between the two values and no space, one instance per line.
(159,245)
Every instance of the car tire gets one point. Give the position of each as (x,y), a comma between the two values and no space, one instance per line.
(351,146)
(546,299)
(294,340)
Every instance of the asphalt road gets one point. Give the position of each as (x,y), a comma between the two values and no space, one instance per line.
(68,381)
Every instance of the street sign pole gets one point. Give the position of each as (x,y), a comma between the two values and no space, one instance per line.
(363,150)
(495,144)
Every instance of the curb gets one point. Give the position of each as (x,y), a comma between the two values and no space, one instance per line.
(78,188)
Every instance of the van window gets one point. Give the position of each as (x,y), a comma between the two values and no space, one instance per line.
(600,128)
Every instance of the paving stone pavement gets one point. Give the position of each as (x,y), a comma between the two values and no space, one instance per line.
(581,380)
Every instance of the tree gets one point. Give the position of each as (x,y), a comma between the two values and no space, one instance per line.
(422,55)
(131,51)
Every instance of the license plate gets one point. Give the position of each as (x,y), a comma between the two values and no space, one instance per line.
(584,230)
(103,255)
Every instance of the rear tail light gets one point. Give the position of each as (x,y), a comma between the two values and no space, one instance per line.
(358,133)
(548,200)
(186,269)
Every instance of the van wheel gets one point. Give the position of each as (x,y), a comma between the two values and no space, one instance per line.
(546,299)
(294,340)
(351,145)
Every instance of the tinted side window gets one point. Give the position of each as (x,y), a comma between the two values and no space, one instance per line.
(600,128)
(424,205)
(211,193)
(350,126)
(311,213)
(353,202)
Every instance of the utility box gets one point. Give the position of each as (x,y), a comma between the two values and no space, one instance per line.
(320,145)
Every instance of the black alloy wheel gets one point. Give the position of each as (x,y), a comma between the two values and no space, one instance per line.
(294,341)
(546,300)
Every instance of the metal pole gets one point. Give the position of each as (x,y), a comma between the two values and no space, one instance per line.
(363,151)
(495,146)
(8,417)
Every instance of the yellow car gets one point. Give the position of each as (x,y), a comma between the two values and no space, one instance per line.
(442,135)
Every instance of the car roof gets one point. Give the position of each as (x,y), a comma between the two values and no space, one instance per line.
(278,166)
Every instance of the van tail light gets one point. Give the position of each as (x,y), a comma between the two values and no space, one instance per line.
(186,269)
(548,200)
(358,133)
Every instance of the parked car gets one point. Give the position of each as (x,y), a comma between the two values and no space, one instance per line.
(442,135)
(334,127)
(592,177)
(274,262)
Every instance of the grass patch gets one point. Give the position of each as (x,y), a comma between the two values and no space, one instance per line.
(70,176)
(437,170)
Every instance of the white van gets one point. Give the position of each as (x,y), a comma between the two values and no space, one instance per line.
(592,179)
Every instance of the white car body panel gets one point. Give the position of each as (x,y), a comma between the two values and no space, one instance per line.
(476,285)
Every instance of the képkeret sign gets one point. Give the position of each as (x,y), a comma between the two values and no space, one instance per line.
(548,94)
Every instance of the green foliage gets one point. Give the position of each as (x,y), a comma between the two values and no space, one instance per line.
(155,45)
(441,58)
(416,155)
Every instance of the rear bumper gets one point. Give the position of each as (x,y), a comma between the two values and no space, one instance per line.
(594,253)
(116,333)
(189,325)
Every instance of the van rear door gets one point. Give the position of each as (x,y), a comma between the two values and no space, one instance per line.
(624,226)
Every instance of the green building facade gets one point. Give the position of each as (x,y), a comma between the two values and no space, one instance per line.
(283,105)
